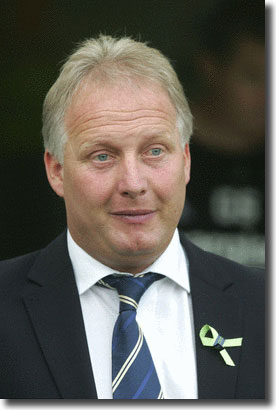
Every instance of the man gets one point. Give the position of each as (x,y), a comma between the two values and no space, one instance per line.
(116,127)
(225,211)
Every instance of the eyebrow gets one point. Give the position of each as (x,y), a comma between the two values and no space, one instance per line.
(108,139)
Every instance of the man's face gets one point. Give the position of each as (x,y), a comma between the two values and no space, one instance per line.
(244,82)
(124,174)
(239,89)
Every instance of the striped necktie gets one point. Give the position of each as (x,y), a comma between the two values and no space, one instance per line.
(133,372)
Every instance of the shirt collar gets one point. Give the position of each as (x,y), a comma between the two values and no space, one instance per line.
(172,263)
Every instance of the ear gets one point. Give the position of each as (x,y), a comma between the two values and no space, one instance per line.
(187,162)
(54,171)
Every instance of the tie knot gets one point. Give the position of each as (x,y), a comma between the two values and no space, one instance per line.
(130,288)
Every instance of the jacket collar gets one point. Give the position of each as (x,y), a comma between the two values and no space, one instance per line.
(52,301)
(215,302)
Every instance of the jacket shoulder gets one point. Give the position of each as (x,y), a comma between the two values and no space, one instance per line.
(14,272)
(222,268)
(16,269)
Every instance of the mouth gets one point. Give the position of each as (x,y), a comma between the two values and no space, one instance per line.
(134,216)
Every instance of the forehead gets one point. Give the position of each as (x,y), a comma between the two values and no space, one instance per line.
(123,99)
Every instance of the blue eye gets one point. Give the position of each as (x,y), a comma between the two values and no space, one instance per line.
(102,157)
(156,151)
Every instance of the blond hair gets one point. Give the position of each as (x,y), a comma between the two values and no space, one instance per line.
(109,58)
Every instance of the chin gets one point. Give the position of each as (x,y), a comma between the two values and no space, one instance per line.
(141,245)
(136,250)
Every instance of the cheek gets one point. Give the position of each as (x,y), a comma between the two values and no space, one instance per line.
(94,191)
(242,94)
(170,183)
(86,189)
(252,98)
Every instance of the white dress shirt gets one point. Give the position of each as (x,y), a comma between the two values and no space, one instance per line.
(164,314)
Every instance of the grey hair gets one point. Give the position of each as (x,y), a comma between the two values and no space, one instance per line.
(109,58)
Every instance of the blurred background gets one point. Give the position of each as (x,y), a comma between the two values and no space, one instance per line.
(217,49)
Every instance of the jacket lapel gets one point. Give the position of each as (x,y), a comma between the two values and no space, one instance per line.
(214,303)
(53,305)
(52,301)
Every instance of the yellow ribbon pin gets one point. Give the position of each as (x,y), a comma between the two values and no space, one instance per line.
(219,343)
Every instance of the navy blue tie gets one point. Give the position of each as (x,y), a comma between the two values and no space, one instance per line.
(133,372)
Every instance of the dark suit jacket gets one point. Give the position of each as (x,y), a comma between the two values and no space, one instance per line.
(43,347)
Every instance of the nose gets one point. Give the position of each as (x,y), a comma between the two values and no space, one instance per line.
(132,182)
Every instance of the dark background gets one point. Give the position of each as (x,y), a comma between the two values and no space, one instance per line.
(36,37)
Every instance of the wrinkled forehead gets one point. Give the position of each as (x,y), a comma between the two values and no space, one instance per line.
(121,95)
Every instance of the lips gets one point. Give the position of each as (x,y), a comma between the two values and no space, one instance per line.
(133,212)
(134,215)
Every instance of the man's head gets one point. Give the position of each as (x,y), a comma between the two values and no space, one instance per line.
(124,161)
(227,88)
(109,59)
